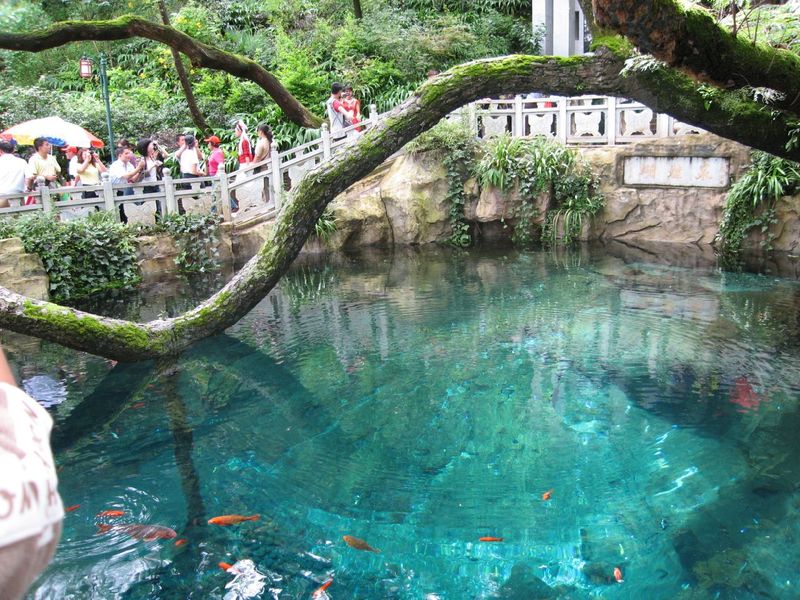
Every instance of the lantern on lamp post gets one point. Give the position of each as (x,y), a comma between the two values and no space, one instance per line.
(86,65)
(86,71)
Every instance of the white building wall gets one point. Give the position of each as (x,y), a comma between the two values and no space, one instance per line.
(563,24)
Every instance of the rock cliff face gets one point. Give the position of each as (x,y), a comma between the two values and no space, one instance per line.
(669,190)
(22,273)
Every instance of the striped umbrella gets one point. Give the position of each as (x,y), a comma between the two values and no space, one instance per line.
(57,131)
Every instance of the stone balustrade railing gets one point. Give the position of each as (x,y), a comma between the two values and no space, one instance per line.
(577,120)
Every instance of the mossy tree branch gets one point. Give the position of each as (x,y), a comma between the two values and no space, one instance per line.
(200,54)
(690,39)
(668,91)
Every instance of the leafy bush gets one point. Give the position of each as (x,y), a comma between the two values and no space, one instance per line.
(299,73)
(751,200)
(198,21)
(537,166)
(81,257)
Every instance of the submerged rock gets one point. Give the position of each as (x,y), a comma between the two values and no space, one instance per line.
(523,584)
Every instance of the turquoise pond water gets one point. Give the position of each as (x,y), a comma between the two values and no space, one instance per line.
(423,399)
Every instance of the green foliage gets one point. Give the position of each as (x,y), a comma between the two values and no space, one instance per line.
(298,71)
(575,199)
(709,94)
(456,144)
(510,7)
(198,21)
(307,45)
(536,166)
(498,165)
(325,225)
(751,200)
(642,63)
(81,257)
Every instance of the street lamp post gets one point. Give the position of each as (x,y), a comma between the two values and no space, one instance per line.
(86,72)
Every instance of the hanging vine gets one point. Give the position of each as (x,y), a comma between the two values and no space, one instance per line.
(456,144)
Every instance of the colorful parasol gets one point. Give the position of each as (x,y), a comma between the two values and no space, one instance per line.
(57,131)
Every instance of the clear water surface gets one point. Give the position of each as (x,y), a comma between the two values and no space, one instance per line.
(422,400)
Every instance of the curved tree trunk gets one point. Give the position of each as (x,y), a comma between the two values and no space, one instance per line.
(186,86)
(664,90)
(200,54)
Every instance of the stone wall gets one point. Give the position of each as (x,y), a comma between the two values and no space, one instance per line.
(668,190)
(21,272)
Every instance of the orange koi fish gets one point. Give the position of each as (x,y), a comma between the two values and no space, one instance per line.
(618,575)
(359,544)
(72,508)
(111,513)
(547,494)
(322,588)
(490,539)
(148,533)
(226,520)
(224,566)
(139,405)
(181,542)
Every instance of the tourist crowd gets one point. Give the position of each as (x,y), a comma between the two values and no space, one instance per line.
(139,163)
(143,162)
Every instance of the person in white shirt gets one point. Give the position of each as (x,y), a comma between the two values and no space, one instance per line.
(123,172)
(71,154)
(190,159)
(12,172)
(338,115)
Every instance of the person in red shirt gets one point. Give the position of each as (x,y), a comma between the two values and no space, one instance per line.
(244,151)
(216,161)
(352,105)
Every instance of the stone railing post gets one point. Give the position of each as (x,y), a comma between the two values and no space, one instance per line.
(41,185)
(224,194)
(563,120)
(472,118)
(108,195)
(662,125)
(611,121)
(326,141)
(170,203)
(277,176)
(519,120)
(373,114)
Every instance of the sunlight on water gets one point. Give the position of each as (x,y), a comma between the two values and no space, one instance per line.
(422,400)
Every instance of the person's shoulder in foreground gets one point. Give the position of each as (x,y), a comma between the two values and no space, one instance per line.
(30,507)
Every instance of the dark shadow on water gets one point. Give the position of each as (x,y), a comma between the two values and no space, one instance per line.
(103,405)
